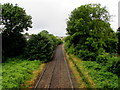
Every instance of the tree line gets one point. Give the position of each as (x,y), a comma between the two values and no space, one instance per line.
(14,44)
(90,36)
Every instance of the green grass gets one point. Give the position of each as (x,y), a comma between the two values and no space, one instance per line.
(97,72)
(82,72)
(100,75)
(16,71)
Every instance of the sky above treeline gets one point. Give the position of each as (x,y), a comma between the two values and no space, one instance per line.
(52,15)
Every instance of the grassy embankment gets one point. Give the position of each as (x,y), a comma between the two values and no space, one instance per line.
(18,73)
(80,73)
(92,74)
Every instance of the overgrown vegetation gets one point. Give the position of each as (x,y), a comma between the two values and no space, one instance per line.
(118,39)
(20,56)
(90,33)
(84,79)
(41,46)
(16,71)
(15,21)
(92,70)
(92,39)
(101,77)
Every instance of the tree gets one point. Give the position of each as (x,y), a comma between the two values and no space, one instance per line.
(89,29)
(41,46)
(15,21)
(1,18)
(118,40)
(84,17)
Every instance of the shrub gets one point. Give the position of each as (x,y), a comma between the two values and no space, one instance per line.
(13,45)
(100,75)
(114,65)
(41,46)
(111,45)
(103,58)
(86,55)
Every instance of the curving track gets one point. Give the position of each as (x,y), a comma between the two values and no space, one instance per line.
(56,73)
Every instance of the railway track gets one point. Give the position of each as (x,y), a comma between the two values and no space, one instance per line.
(56,74)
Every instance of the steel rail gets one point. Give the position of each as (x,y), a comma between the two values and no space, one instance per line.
(67,69)
(41,77)
(59,74)
(52,75)
(57,61)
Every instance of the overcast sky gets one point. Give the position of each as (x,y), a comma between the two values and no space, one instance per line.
(51,15)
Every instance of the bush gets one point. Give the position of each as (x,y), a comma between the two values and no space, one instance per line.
(41,46)
(111,45)
(13,45)
(100,75)
(103,58)
(86,55)
(112,63)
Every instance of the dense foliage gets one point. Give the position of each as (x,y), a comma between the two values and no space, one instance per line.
(92,39)
(16,71)
(13,45)
(41,46)
(17,50)
(101,77)
(90,32)
(111,63)
(118,40)
(98,72)
(15,20)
